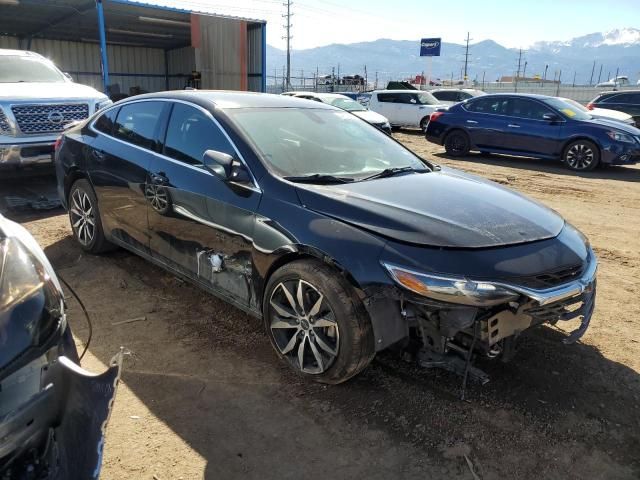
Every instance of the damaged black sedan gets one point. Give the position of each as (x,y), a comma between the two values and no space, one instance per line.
(342,240)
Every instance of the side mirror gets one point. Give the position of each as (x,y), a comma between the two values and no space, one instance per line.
(550,117)
(218,163)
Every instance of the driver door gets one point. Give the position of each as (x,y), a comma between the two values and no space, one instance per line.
(201,225)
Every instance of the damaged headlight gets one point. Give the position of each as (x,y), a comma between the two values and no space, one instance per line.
(31,300)
(451,289)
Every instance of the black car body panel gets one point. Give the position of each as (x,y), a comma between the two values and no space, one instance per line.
(627,101)
(230,237)
(502,130)
(453,210)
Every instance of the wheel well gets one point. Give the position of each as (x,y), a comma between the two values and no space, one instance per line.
(575,139)
(453,130)
(71,178)
(426,117)
(308,255)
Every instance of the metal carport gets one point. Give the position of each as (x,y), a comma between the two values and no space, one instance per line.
(131,46)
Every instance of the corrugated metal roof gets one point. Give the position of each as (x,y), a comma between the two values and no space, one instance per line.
(228,10)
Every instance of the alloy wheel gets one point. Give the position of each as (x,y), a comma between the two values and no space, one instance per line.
(580,156)
(83,220)
(304,326)
(157,197)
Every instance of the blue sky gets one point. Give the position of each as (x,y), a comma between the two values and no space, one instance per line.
(513,23)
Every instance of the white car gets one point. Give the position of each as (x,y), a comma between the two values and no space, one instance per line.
(451,96)
(619,81)
(405,108)
(37,101)
(604,113)
(348,104)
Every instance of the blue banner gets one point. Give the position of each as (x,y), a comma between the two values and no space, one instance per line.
(430,47)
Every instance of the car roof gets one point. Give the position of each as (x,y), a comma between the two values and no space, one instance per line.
(400,90)
(321,95)
(614,92)
(229,99)
(518,94)
(6,52)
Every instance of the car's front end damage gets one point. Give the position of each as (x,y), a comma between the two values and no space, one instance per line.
(53,413)
(449,319)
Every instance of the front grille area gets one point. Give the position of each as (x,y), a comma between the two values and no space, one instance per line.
(550,279)
(36,119)
(5,128)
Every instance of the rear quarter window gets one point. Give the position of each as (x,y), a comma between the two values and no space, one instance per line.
(137,123)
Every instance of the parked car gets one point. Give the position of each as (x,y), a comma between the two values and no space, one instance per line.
(405,108)
(326,80)
(341,239)
(534,126)
(627,101)
(361,97)
(346,103)
(451,96)
(53,413)
(605,113)
(36,102)
(619,81)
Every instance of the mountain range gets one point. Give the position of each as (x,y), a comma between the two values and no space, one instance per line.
(617,49)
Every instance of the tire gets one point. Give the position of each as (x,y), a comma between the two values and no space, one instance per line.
(581,155)
(423,124)
(457,143)
(334,337)
(84,216)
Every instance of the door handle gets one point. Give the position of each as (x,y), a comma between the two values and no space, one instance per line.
(472,122)
(159,178)
(513,125)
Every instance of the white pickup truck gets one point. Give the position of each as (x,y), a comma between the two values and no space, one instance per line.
(37,100)
(405,108)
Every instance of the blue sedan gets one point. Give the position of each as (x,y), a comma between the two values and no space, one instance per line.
(534,126)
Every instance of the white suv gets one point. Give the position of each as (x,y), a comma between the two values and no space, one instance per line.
(36,102)
(405,108)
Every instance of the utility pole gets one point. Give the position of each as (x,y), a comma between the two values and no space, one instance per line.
(615,80)
(375,87)
(524,71)
(288,37)
(518,71)
(574,78)
(544,77)
(600,74)
(593,69)
(466,59)
(366,79)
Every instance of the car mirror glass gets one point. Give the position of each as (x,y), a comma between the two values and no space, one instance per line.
(218,163)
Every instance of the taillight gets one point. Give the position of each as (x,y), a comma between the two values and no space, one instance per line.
(435,115)
(590,106)
(56,146)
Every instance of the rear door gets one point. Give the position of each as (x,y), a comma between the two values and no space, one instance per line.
(486,121)
(200,225)
(118,161)
(528,132)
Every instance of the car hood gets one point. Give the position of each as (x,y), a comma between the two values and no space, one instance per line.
(371,117)
(607,112)
(606,122)
(47,91)
(444,208)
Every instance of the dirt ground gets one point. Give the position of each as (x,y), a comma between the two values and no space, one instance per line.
(204,396)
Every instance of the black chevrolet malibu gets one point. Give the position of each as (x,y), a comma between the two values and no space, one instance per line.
(342,240)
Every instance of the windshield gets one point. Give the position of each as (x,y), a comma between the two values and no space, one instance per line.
(303,141)
(577,105)
(347,104)
(567,109)
(15,69)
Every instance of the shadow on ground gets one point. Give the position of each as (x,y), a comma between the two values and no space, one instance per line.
(207,371)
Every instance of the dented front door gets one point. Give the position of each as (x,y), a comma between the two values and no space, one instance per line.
(203,227)
(199,225)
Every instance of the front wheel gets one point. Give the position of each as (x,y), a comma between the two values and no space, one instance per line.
(581,156)
(457,143)
(316,324)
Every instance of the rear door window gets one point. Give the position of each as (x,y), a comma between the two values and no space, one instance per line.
(138,123)
(625,98)
(526,108)
(445,96)
(106,121)
(190,133)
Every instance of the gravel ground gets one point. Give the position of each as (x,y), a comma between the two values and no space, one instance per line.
(203,395)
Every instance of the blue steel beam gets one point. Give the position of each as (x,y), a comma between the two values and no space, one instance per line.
(264,57)
(104,60)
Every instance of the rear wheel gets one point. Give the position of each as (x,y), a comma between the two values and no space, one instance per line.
(316,324)
(581,155)
(85,218)
(423,124)
(457,143)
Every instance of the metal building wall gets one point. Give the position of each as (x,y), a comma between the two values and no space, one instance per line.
(218,56)
(254,56)
(181,62)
